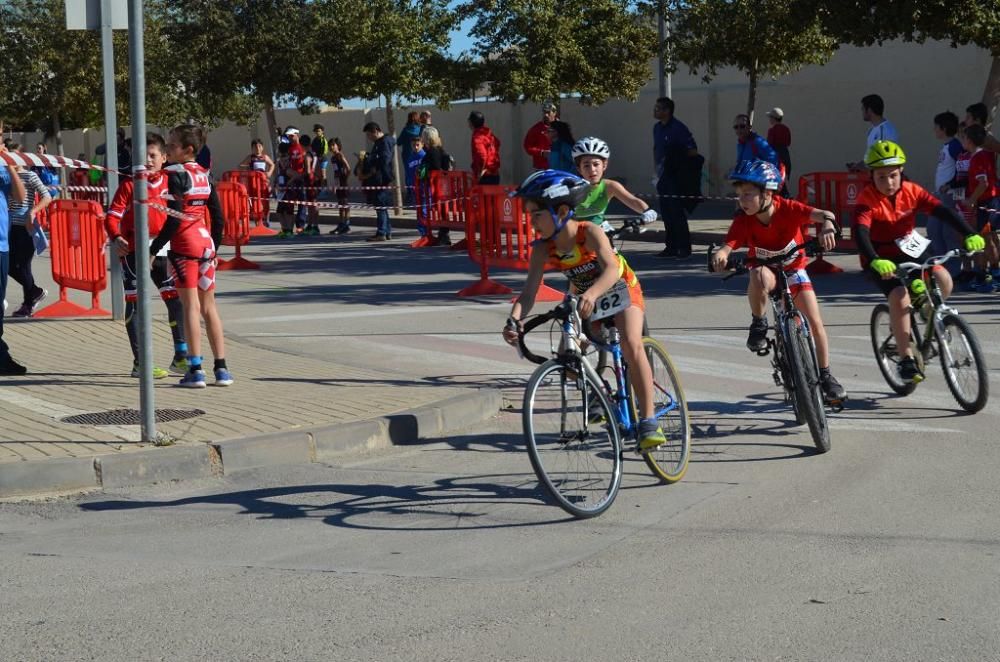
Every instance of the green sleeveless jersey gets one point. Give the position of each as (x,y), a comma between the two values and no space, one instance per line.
(594,205)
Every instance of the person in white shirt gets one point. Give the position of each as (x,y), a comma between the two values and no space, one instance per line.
(942,237)
(872,111)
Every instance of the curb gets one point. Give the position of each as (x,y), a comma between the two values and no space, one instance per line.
(228,456)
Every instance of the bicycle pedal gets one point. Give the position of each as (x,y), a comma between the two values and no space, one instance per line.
(836,406)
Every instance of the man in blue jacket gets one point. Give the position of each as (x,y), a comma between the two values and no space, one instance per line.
(11,187)
(378,168)
(751,146)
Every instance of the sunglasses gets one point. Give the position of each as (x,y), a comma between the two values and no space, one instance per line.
(741,126)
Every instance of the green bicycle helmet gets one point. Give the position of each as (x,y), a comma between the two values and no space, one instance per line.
(884,154)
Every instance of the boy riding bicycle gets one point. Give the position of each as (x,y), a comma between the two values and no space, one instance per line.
(583,252)
(885,228)
(770,225)
(591,158)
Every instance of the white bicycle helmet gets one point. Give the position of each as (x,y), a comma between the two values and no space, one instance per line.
(591,146)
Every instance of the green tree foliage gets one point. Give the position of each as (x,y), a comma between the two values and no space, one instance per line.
(762,38)
(540,49)
(51,76)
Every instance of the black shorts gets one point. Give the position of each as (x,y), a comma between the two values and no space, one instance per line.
(983,216)
(158,269)
(292,195)
(888,285)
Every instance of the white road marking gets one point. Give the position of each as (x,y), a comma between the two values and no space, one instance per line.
(57,411)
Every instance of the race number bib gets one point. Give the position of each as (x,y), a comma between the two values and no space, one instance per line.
(612,302)
(764,254)
(913,244)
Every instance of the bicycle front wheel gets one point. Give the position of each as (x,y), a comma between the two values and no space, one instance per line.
(572,439)
(808,394)
(668,461)
(963,364)
(884,346)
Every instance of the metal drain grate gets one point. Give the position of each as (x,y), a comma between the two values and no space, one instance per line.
(129,417)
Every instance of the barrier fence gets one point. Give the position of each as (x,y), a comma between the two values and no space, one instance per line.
(236,230)
(837,192)
(499,234)
(441,202)
(78,257)
(259,192)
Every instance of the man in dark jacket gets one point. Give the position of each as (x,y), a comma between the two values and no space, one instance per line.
(378,167)
(674,151)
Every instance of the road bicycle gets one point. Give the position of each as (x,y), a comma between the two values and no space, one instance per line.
(575,422)
(792,348)
(936,329)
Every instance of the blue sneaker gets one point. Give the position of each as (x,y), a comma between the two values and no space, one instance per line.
(223,377)
(194,379)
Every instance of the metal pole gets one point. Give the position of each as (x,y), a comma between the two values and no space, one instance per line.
(666,30)
(111,146)
(661,32)
(137,95)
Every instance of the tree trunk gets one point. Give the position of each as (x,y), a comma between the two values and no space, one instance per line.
(272,122)
(390,126)
(991,95)
(752,95)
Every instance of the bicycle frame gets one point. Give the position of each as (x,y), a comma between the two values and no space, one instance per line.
(907,272)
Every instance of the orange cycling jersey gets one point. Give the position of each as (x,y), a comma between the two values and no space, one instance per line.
(582,267)
(892,217)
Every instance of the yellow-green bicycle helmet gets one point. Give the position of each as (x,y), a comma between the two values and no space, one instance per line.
(884,154)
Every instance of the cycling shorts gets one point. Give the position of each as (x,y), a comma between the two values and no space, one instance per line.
(192,272)
(159,270)
(798,280)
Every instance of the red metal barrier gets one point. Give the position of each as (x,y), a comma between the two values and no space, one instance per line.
(441,204)
(499,234)
(259,191)
(236,231)
(837,192)
(78,260)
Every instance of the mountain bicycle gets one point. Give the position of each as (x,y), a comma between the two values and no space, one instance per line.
(936,329)
(792,348)
(574,421)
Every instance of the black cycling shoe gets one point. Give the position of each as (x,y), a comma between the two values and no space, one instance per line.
(757,340)
(909,372)
(833,392)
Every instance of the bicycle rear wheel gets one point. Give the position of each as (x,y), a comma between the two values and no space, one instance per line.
(668,461)
(884,346)
(963,364)
(808,395)
(572,439)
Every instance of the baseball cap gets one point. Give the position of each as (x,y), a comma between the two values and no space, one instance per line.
(776,113)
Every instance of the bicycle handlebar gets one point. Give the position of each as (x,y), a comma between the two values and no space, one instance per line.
(903,269)
(738,263)
(628,225)
(562,312)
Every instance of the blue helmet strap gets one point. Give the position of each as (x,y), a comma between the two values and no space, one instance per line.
(559,225)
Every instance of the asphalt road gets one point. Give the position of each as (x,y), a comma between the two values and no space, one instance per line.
(886,548)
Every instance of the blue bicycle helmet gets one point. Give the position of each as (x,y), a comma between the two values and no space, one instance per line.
(551,188)
(761,173)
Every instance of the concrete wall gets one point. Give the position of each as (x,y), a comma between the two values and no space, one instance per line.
(822,108)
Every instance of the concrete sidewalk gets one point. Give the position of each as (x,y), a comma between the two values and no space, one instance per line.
(282,409)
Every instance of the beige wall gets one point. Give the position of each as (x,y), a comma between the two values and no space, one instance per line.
(822,108)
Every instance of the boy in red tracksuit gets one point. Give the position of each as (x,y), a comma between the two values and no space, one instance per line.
(120,226)
(192,251)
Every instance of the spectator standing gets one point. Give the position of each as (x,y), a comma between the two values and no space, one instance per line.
(979,114)
(204,158)
(407,135)
(485,151)
(980,198)
(944,238)
(11,187)
(48,174)
(779,137)
(435,159)
(873,112)
(561,147)
(750,145)
(378,171)
(257,160)
(538,140)
(341,172)
(321,149)
(21,243)
(425,118)
(673,147)
(308,215)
